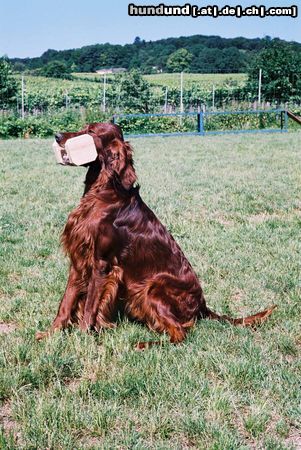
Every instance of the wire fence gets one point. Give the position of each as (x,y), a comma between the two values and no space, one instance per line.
(202,123)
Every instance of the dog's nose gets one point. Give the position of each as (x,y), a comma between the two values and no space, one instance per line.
(58,137)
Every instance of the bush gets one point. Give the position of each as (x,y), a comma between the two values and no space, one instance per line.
(45,125)
(281,72)
(8,85)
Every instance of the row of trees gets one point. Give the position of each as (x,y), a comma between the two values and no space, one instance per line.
(198,54)
(281,79)
(178,61)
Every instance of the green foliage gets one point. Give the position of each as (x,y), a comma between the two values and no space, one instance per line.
(246,121)
(228,122)
(210,54)
(229,59)
(45,94)
(281,71)
(46,100)
(56,69)
(152,125)
(44,125)
(8,85)
(131,92)
(179,61)
(206,81)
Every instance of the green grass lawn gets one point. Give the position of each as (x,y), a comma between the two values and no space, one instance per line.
(234,205)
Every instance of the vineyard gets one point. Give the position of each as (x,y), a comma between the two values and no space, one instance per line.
(56,104)
(42,94)
(206,80)
(86,89)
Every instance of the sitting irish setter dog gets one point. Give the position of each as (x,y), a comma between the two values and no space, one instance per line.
(122,257)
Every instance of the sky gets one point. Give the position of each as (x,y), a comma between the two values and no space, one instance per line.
(30,27)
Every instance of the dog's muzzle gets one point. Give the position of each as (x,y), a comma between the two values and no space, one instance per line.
(77,151)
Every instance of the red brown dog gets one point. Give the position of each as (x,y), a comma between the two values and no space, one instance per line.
(122,256)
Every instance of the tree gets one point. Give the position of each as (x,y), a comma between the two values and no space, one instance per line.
(208,60)
(19,67)
(281,71)
(179,60)
(233,60)
(8,85)
(146,55)
(132,92)
(56,69)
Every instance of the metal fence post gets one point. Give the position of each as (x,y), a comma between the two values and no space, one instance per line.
(281,120)
(201,123)
(285,120)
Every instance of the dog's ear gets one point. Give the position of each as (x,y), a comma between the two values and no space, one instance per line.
(128,175)
(119,156)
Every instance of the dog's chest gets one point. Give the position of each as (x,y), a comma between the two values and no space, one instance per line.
(81,231)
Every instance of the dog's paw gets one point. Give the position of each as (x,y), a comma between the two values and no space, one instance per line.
(41,335)
(140,346)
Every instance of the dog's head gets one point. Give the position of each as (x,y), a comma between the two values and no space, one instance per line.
(102,134)
(114,155)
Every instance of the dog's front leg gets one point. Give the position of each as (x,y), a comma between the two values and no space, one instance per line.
(102,297)
(109,300)
(95,287)
(63,317)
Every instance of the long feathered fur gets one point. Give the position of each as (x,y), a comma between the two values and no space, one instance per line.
(120,253)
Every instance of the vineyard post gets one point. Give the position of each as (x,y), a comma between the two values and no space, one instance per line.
(66,99)
(181,99)
(259,87)
(22,97)
(104,94)
(165,103)
(181,94)
(118,98)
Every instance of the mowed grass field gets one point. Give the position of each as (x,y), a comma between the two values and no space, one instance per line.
(234,205)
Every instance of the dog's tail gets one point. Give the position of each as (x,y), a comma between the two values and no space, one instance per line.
(249,321)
